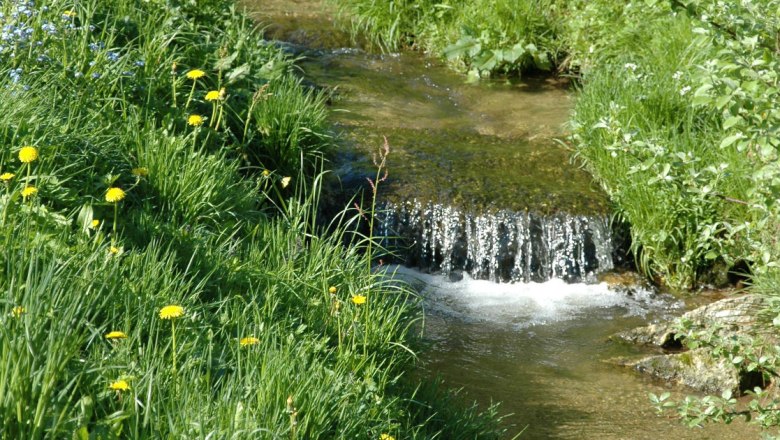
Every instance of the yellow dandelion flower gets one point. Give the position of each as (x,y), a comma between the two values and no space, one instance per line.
(113,250)
(120,385)
(359,299)
(28,154)
(266,173)
(114,195)
(171,312)
(5,177)
(94,224)
(116,335)
(213,95)
(195,120)
(332,290)
(18,311)
(285,181)
(386,437)
(29,191)
(195,74)
(140,171)
(249,340)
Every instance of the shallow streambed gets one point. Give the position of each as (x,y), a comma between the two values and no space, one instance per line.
(539,349)
(486,146)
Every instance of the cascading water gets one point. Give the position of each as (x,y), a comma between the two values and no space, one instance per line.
(502,246)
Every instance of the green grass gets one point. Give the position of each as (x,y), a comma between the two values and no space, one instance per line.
(482,37)
(637,133)
(201,226)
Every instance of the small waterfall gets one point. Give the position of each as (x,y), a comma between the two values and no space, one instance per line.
(503,246)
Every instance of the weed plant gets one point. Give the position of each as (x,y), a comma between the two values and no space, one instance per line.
(639,135)
(481,37)
(162,270)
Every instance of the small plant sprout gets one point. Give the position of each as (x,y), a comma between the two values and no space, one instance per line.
(293,418)
(221,104)
(194,75)
(28,155)
(215,97)
(6,179)
(380,162)
(18,311)
(114,335)
(248,341)
(172,312)
(195,120)
(119,386)
(173,83)
(115,195)
(29,191)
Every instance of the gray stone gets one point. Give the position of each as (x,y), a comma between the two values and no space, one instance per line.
(694,368)
(738,314)
(698,369)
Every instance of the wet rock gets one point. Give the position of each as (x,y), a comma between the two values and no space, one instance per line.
(737,314)
(628,283)
(695,369)
(698,369)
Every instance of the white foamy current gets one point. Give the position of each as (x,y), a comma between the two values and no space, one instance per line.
(523,305)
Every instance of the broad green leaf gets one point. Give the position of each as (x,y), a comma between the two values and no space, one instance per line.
(722,101)
(732,121)
(730,140)
(226,62)
(467,45)
(486,61)
(513,54)
(701,100)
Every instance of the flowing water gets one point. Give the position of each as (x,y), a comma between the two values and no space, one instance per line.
(540,350)
(480,191)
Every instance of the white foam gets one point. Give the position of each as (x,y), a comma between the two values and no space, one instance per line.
(526,304)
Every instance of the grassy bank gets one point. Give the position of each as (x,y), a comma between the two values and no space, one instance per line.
(162,268)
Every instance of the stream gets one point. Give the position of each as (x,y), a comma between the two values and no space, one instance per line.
(505,235)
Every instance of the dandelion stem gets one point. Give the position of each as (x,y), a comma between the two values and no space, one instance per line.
(173,83)
(116,214)
(219,116)
(173,353)
(192,92)
(7,201)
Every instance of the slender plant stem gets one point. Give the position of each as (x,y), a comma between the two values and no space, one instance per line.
(173,353)
(113,231)
(192,92)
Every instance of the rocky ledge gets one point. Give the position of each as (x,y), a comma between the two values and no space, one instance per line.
(698,368)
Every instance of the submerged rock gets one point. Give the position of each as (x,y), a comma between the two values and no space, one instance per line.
(699,369)
(695,369)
